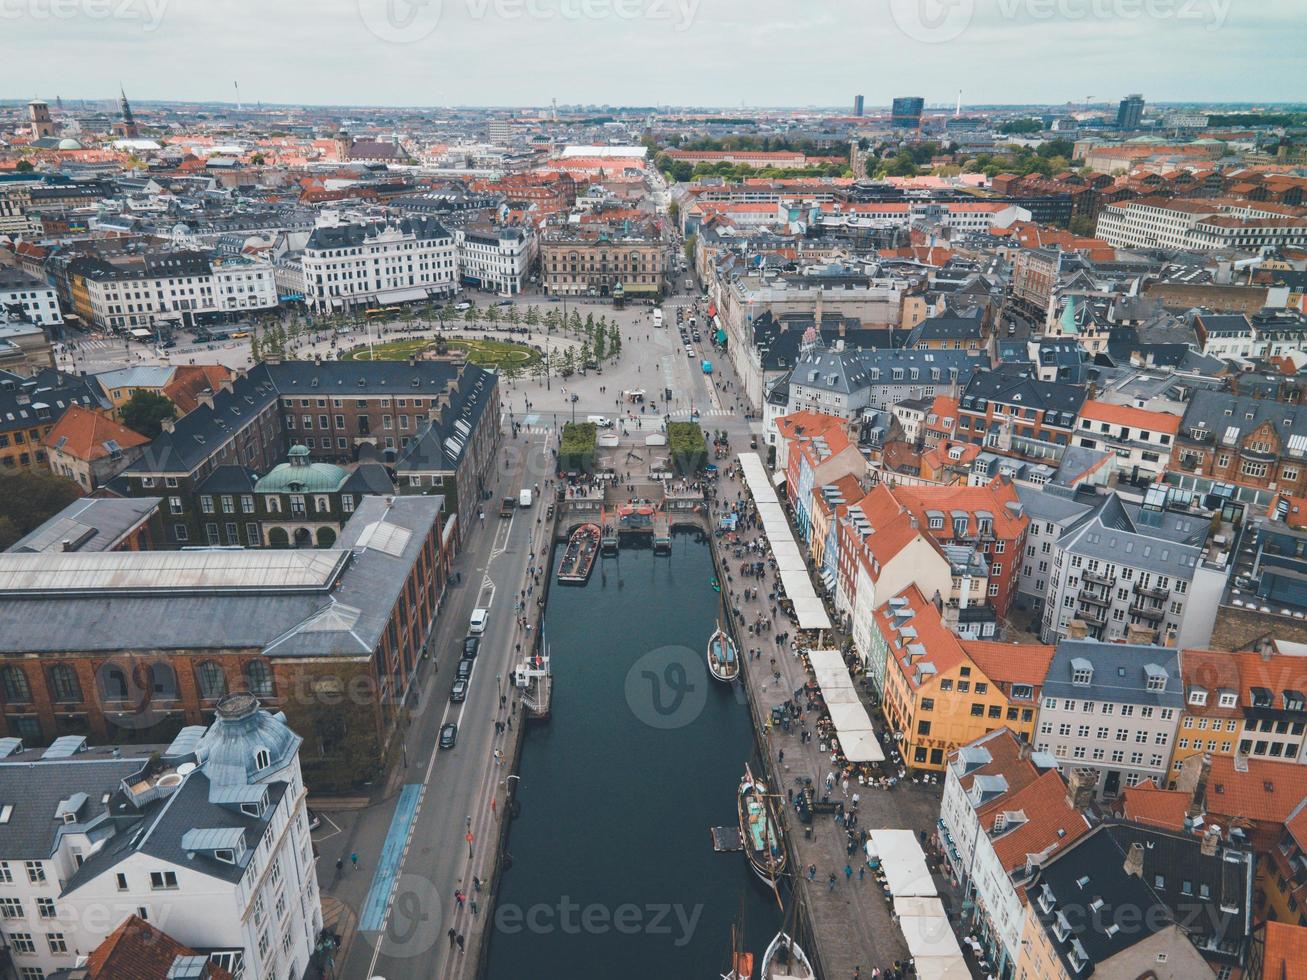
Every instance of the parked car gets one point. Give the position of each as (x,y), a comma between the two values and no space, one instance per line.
(464,670)
(458,693)
(471,644)
(477,624)
(449,736)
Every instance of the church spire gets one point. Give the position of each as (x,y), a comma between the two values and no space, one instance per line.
(124,106)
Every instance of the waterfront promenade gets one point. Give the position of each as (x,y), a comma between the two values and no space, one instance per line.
(852,921)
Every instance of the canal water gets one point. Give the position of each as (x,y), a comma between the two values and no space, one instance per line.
(613,869)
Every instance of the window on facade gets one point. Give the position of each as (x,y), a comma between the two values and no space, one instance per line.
(15,685)
(64,686)
(258,678)
(163,880)
(211,680)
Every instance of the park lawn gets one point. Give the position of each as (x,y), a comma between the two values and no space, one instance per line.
(483,353)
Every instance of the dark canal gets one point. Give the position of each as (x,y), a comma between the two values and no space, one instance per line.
(614,872)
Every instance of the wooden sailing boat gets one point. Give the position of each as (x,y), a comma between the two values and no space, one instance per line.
(786,960)
(760,829)
(741,961)
(579,557)
(723,658)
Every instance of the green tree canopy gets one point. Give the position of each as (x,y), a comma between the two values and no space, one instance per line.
(28,498)
(146,411)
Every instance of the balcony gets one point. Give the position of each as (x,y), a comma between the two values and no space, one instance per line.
(1092,618)
(1088,596)
(1151,613)
(1152,592)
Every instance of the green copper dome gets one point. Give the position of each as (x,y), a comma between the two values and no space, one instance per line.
(301,475)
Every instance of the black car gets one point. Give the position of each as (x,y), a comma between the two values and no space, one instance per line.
(470,646)
(464,670)
(458,693)
(449,736)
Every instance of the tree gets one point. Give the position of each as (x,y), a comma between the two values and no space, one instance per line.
(256,353)
(616,340)
(473,314)
(492,314)
(24,166)
(569,360)
(146,411)
(674,212)
(513,316)
(28,498)
(575,323)
(532,316)
(691,243)
(586,351)
(599,345)
(257,159)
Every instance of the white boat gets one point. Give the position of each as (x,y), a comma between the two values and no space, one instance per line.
(723,658)
(785,960)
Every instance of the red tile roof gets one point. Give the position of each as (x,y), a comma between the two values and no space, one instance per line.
(1135,418)
(83,433)
(1051,821)
(1155,807)
(1262,791)
(1285,954)
(189,381)
(1011,663)
(137,950)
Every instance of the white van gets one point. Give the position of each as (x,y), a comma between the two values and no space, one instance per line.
(603,421)
(524,498)
(477,625)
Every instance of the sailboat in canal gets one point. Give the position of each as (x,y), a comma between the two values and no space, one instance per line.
(760,829)
(723,658)
(579,556)
(786,960)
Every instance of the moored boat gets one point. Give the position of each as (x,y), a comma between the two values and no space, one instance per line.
(579,556)
(760,829)
(723,658)
(785,960)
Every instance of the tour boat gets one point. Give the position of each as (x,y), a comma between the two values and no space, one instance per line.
(723,659)
(760,829)
(579,557)
(785,960)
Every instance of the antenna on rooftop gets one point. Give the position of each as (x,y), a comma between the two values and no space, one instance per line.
(237,87)
(958,112)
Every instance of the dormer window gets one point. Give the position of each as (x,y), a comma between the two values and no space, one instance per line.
(225,855)
(1198,696)
(1082,672)
(262,759)
(1226,699)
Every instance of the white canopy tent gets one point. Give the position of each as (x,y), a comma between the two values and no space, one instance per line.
(861,747)
(848,717)
(841,695)
(904,863)
(790,564)
(931,943)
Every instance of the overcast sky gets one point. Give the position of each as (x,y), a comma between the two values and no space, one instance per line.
(656,52)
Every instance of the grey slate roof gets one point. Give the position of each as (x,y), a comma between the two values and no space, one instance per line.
(346,620)
(1119,673)
(1231,417)
(90,524)
(1017,387)
(354,235)
(1163,542)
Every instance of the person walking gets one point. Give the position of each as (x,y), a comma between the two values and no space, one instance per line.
(831,882)
(340,864)
(460,942)
(452,934)
(354,860)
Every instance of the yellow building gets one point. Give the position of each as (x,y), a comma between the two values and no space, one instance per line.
(1211,721)
(942,692)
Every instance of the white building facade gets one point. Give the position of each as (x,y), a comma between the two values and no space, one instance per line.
(207,840)
(497,259)
(378,263)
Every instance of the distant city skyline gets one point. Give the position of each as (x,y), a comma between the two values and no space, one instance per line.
(414,53)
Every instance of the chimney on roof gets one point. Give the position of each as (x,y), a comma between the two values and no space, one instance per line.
(1211,838)
(226,385)
(167,425)
(1134,860)
(1081,785)
(1194,773)
(1077,629)
(205,398)
(1139,633)
(1025,750)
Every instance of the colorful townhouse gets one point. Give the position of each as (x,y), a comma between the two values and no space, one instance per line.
(814,461)
(942,692)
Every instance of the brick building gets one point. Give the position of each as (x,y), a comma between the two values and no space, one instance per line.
(130,646)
